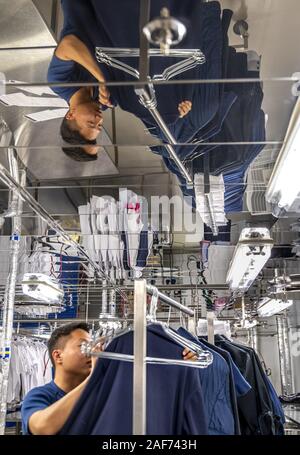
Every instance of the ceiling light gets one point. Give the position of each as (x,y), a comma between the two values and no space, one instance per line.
(42,288)
(268,307)
(250,255)
(284,184)
(245,324)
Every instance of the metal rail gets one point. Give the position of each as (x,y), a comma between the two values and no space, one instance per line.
(168,300)
(9,297)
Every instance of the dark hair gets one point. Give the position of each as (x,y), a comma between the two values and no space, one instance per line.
(73,137)
(64,331)
(79,154)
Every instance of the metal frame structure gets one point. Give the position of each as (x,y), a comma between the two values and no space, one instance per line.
(145,90)
(21,194)
(140,352)
(208,197)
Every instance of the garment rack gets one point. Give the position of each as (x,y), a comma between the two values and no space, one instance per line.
(139,357)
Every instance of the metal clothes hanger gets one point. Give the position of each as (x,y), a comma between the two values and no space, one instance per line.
(204,358)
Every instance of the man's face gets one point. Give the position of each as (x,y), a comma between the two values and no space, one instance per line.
(89,120)
(71,358)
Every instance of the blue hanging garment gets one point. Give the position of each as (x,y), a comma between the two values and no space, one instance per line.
(174,394)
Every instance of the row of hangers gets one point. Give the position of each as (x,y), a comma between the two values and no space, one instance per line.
(204,358)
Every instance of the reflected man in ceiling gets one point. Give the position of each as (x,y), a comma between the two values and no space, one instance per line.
(88,24)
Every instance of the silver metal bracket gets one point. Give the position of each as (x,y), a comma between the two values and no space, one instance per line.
(240,28)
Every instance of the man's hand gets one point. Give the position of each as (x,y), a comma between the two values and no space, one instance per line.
(72,48)
(104,96)
(189,355)
(184,108)
(99,347)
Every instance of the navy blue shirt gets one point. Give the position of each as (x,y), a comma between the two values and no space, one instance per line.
(174,394)
(37,399)
(216,391)
(242,387)
(67,71)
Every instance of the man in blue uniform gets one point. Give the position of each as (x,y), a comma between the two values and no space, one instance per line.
(90,23)
(46,409)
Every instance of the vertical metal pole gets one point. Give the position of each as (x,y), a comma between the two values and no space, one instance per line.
(140,351)
(114,135)
(208,196)
(253,338)
(210,316)
(104,298)
(144,44)
(112,295)
(87,303)
(284,355)
(9,297)
(145,7)
(56,19)
(54,11)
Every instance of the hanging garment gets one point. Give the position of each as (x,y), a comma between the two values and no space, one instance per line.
(36,310)
(84,212)
(70,267)
(174,394)
(188,128)
(238,385)
(38,399)
(116,234)
(209,130)
(135,235)
(101,210)
(245,122)
(217,190)
(29,367)
(215,382)
(114,247)
(278,414)
(256,416)
(23,263)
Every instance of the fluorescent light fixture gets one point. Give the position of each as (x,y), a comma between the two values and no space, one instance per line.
(42,288)
(250,255)
(284,184)
(268,307)
(245,324)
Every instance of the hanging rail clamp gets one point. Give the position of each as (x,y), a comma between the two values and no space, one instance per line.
(240,28)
